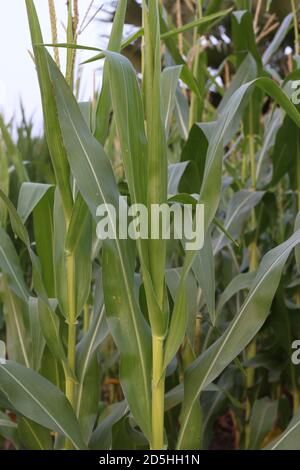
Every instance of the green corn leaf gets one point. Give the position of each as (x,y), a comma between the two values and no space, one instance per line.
(223,230)
(86,403)
(195,151)
(29,197)
(13,152)
(179,316)
(246,72)
(59,255)
(51,330)
(175,173)
(204,270)
(79,239)
(262,420)
(285,150)
(102,436)
(173,277)
(278,39)
(210,191)
(186,74)
(88,397)
(53,134)
(157,147)
(194,24)
(127,42)
(240,282)
(39,400)
(239,210)
(104,102)
(244,37)
(95,180)
(79,220)
(4,184)
(182,114)
(289,439)
(10,265)
(16,222)
(16,320)
(239,333)
(36,335)
(33,436)
(128,106)
(169,83)
(21,232)
(271,132)
(44,240)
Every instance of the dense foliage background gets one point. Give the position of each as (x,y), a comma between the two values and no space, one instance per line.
(111,346)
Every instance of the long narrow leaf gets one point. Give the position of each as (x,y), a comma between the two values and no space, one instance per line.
(237,336)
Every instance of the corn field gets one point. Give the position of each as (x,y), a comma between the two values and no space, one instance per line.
(115,343)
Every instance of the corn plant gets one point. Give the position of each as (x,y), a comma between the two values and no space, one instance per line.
(116,343)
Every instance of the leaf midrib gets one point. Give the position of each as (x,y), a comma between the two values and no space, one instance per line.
(38,403)
(226,340)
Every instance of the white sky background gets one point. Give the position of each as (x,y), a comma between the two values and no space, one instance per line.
(18,80)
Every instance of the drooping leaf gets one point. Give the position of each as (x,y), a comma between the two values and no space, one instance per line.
(39,400)
(239,333)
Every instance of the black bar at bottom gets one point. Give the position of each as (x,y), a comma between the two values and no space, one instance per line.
(136,459)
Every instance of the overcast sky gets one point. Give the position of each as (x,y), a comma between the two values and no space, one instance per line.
(17,72)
